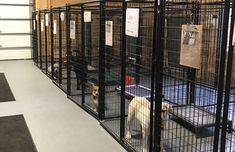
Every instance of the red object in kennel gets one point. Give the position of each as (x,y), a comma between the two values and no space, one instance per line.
(64,61)
(129,80)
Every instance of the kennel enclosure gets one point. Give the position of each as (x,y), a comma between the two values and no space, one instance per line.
(94,45)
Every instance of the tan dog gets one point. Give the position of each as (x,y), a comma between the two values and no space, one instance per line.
(95,96)
(139,108)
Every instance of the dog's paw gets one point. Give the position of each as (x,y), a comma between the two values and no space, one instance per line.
(128,135)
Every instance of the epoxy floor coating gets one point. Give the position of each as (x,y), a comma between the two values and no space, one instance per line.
(55,123)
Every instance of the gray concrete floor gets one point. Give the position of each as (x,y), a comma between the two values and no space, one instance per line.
(55,123)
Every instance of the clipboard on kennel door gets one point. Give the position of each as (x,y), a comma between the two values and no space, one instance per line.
(191,46)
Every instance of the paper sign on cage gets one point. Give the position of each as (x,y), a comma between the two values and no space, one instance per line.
(54,26)
(234,35)
(132,22)
(34,25)
(109,33)
(72,29)
(62,16)
(87,16)
(47,19)
(191,46)
(42,25)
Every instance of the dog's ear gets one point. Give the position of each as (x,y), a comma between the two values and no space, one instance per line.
(166,106)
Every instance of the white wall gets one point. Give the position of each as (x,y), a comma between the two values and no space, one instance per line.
(15,1)
(15,20)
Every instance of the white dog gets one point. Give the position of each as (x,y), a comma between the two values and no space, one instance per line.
(139,108)
(56,70)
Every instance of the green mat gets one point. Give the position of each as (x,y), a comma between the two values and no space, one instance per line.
(5,90)
(15,135)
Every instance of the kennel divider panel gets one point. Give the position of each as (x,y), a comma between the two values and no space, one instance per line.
(76,54)
(60,47)
(49,53)
(55,44)
(45,60)
(69,54)
(51,24)
(42,39)
(63,49)
(35,36)
(227,137)
(175,77)
(92,50)
(111,61)
(136,66)
(86,84)
(101,105)
(39,41)
(80,97)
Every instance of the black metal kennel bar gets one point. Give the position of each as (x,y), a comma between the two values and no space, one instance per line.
(52,44)
(155,25)
(68,41)
(228,81)
(159,58)
(192,72)
(45,61)
(35,36)
(83,51)
(123,73)
(221,79)
(40,39)
(60,48)
(101,105)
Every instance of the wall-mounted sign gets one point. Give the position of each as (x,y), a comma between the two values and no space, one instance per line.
(191,46)
(87,16)
(72,29)
(132,22)
(109,33)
